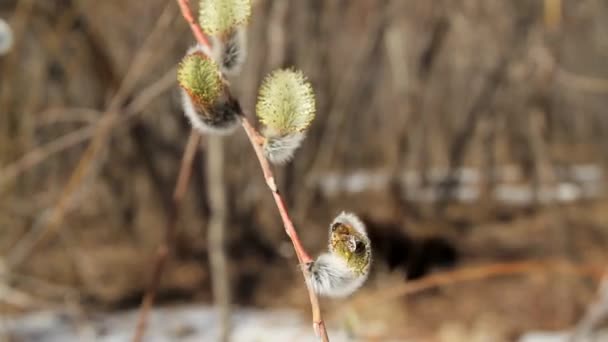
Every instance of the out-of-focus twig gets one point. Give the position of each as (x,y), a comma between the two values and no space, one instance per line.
(100,137)
(180,189)
(216,233)
(40,154)
(596,313)
(21,250)
(164,249)
(478,273)
(580,82)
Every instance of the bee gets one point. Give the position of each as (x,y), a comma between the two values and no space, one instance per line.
(345,267)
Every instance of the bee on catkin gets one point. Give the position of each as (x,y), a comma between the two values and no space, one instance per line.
(345,267)
(286,107)
(206,97)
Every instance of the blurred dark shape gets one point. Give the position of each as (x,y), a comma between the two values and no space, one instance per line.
(415,257)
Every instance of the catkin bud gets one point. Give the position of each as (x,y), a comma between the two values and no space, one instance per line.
(230,50)
(206,97)
(6,38)
(342,270)
(286,107)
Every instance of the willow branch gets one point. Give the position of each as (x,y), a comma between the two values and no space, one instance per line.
(255,139)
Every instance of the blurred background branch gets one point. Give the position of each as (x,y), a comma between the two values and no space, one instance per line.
(216,232)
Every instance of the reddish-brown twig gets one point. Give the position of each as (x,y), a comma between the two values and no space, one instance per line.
(303,257)
(164,249)
(184,5)
(256,139)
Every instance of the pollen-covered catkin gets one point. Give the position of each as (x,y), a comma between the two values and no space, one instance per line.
(286,107)
(344,269)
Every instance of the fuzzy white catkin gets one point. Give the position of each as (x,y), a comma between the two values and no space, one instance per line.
(195,118)
(330,274)
(230,51)
(6,38)
(331,277)
(280,150)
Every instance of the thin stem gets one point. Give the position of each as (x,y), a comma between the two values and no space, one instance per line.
(167,243)
(303,257)
(255,139)
(184,5)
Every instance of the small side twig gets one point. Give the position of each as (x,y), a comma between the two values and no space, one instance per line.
(164,249)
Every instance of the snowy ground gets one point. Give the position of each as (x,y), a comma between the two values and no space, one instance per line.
(185,324)
(166,324)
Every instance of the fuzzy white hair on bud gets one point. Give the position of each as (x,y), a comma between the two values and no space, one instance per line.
(230,50)
(6,38)
(224,126)
(346,266)
(330,276)
(281,149)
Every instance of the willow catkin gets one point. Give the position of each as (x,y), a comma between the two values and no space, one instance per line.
(286,107)
(206,98)
(345,267)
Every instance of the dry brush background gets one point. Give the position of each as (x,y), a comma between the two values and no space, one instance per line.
(403,87)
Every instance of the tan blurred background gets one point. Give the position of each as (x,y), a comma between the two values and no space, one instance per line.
(464,132)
